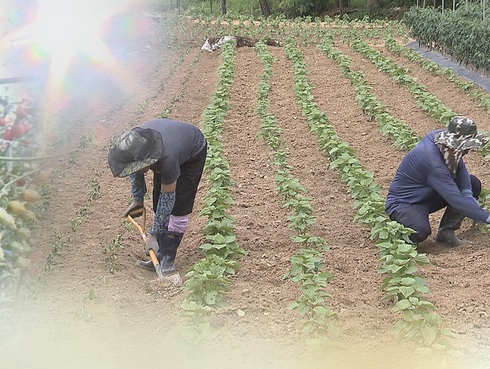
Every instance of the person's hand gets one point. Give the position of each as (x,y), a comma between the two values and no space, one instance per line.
(151,244)
(135,209)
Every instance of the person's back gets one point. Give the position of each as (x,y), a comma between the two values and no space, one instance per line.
(176,153)
(411,182)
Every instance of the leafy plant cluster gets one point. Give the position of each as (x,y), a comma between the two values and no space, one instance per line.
(208,280)
(425,100)
(111,252)
(403,136)
(467,86)
(399,257)
(364,28)
(306,262)
(463,38)
(237,8)
(20,176)
(389,126)
(404,130)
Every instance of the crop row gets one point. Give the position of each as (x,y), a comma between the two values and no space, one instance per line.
(398,255)
(208,280)
(306,263)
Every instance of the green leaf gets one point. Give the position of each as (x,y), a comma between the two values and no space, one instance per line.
(321,310)
(429,333)
(422,259)
(423,289)
(402,305)
(405,248)
(211,297)
(406,291)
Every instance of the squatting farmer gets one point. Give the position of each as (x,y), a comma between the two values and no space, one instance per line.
(176,153)
(433,176)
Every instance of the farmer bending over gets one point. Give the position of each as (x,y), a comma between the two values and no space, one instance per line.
(176,153)
(433,176)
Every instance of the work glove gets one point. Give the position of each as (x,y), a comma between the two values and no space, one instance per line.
(151,244)
(135,209)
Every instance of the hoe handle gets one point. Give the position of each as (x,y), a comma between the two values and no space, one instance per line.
(153,256)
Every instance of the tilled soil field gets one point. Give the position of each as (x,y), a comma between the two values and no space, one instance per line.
(79,308)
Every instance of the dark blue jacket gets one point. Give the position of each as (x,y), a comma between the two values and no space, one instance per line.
(423,175)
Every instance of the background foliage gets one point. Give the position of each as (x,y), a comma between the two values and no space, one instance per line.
(315,8)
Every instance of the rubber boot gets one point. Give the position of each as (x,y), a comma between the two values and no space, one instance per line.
(148,265)
(166,266)
(450,222)
(169,243)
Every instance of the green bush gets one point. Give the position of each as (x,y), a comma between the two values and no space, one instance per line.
(458,34)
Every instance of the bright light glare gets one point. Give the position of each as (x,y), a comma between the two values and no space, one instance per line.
(64,28)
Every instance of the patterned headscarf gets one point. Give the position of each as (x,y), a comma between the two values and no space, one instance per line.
(461,137)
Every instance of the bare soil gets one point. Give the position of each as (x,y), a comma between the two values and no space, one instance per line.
(74,312)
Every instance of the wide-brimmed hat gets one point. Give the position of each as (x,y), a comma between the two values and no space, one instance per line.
(461,134)
(135,150)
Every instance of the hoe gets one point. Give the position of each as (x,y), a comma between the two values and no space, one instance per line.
(142,212)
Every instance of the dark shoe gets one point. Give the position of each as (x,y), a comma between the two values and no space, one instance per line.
(448,236)
(147,265)
(451,221)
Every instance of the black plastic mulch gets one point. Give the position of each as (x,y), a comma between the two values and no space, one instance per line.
(482,81)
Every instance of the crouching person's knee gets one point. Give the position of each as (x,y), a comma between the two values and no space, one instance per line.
(421,235)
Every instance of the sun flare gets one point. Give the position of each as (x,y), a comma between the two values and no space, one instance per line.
(64,29)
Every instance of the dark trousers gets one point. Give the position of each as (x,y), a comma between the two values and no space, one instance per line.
(416,216)
(187,183)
